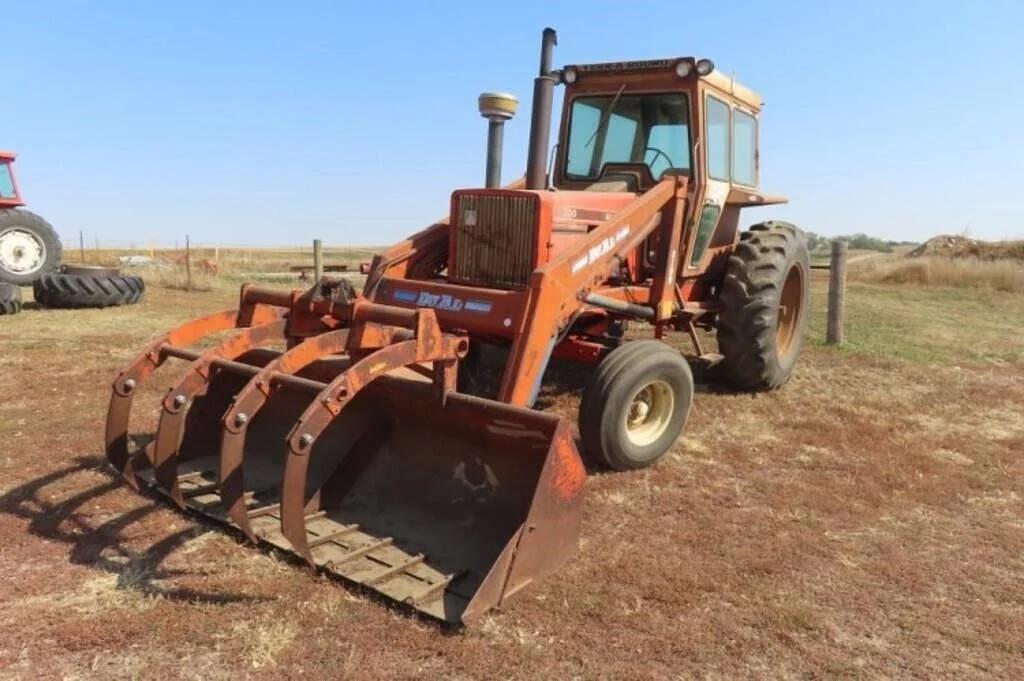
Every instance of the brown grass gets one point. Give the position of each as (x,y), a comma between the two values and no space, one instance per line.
(966,272)
(864,521)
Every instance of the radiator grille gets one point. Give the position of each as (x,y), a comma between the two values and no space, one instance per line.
(495,240)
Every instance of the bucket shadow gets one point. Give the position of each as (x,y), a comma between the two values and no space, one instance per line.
(102,545)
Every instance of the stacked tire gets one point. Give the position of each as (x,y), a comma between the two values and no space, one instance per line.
(79,286)
(30,254)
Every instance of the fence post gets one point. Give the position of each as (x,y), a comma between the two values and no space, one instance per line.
(836,293)
(81,245)
(318,260)
(188,265)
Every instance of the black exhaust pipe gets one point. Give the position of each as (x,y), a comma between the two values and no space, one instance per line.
(540,119)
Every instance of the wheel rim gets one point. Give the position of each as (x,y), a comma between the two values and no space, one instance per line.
(649,413)
(790,303)
(21,251)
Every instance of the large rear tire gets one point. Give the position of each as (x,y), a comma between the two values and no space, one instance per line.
(10,299)
(764,306)
(29,247)
(636,406)
(77,291)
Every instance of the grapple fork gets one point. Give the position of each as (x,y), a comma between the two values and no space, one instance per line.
(358,453)
(174,343)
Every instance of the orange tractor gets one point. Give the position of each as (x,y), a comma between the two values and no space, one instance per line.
(334,425)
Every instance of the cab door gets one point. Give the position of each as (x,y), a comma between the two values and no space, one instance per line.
(714,190)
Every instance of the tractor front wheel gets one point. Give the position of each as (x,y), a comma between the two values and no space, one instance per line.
(764,306)
(636,406)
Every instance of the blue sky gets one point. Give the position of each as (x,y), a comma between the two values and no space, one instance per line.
(272,123)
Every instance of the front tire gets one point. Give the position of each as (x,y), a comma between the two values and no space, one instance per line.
(764,308)
(29,247)
(637,405)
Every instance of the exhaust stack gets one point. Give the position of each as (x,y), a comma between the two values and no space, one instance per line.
(540,120)
(496,107)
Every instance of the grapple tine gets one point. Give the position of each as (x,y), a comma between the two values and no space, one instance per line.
(175,404)
(324,408)
(128,381)
(247,404)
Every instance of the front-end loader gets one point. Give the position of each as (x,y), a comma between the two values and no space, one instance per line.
(334,425)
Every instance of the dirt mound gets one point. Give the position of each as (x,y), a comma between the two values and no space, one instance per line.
(955,246)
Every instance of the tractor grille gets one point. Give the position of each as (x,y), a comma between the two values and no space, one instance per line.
(495,239)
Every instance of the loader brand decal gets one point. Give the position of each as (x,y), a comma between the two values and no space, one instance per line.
(442,301)
(596,251)
(584,214)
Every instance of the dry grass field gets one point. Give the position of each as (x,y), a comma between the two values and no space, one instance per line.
(865,521)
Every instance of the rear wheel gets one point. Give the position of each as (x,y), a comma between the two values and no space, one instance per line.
(764,306)
(10,299)
(29,247)
(637,405)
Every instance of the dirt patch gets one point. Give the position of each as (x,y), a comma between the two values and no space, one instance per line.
(865,520)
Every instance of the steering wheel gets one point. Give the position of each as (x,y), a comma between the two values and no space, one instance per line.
(657,152)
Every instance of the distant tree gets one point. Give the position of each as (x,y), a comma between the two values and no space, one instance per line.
(817,242)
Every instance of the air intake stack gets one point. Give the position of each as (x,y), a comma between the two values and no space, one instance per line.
(496,107)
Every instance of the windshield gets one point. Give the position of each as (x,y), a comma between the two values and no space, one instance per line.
(653,129)
(6,181)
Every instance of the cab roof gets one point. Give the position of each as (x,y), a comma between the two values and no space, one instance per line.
(728,85)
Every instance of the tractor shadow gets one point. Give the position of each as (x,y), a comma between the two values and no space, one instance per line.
(97,540)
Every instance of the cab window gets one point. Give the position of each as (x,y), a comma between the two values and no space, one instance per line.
(744,148)
(652,129)
(6,182)
(717,114)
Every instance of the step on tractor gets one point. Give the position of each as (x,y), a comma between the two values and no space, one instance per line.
(334,425)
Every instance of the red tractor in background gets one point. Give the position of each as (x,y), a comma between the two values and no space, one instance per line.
(29,247)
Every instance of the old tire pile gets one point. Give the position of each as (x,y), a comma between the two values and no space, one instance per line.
(78,287)
(10,299)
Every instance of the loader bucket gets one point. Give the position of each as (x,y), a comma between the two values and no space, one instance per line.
(444,502)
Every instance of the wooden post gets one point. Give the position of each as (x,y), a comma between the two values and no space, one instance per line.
(318,260)
(81,245)
(836,293)
(188,265)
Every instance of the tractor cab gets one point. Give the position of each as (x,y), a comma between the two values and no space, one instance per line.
(639,121)
(626,126)
(9,195)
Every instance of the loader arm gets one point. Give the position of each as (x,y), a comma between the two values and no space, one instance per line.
(558,288)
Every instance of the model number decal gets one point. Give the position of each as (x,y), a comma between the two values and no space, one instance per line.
(599,249)
(442,301)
